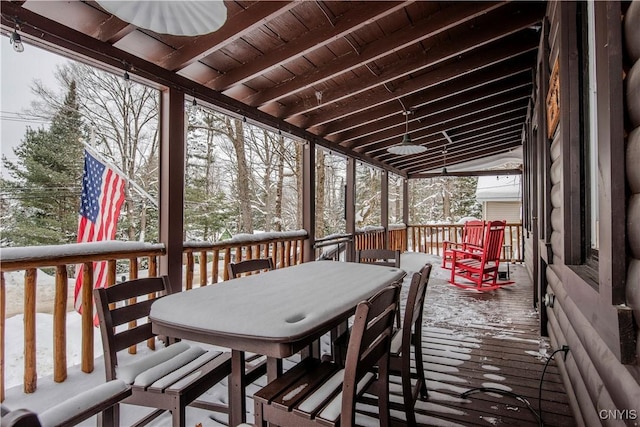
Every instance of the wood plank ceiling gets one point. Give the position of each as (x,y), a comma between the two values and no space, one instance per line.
(338,72)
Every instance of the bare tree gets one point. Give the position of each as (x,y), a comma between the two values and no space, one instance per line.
(235,131)
(320,193)
(123,121)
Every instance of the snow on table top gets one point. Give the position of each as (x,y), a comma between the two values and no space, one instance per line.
(277,305)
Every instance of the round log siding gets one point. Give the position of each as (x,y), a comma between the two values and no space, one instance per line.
(633,161)
(633,94)
(631,33)
(633,226)
(594,377)
(633,293)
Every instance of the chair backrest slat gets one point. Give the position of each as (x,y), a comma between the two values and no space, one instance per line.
(133,336)
(385,257)
(136,287)
(473,232)
(249,266)
(128,313)
(494,236)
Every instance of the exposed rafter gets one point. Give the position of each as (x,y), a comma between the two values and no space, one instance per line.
(332,71)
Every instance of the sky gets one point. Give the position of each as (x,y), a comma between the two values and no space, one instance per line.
(18,71)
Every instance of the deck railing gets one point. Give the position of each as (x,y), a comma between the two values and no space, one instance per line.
(429,239)
(133,258)
(130,259)
(62,259)
(284,248)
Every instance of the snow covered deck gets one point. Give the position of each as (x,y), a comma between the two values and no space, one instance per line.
(470,340)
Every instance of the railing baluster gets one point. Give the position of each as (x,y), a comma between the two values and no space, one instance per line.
(60,325)
(203,268)
(294,245)
(87,318)
(227,257)
(151,342)
(287,246)
(281,246)
(214,266)
(133,274)
(274,253)
(30,374)
(189,278)
(3,315)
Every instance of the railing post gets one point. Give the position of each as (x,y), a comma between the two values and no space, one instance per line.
(203,268)
(215,266)
(60,325)
(189,284)
(3,315)
(30,374)
(87,318)
(227,257)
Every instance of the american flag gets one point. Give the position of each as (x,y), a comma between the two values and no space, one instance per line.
(101,200)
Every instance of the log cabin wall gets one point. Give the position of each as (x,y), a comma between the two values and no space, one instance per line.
(593,273)
(631,36)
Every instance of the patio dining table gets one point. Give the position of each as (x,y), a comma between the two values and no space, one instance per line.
(276,313)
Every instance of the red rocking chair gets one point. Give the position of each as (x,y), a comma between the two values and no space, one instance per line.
(480,264)
(472,236)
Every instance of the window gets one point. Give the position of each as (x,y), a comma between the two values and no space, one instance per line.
(588,138)
(395,198)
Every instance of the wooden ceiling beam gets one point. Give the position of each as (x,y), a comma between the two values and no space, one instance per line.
(370,86)
(111,29)
(436,161)
(236,26)
(475,173)
(452,87)
(354,19)
(421,30)
(396,123)
(469,63)
(52,35)
(423,128)
(498,113)
(435,154)
(472,155)
(496,130)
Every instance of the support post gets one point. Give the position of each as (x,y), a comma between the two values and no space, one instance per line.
(350,206)
(172,156)
(309,198)
(384,206)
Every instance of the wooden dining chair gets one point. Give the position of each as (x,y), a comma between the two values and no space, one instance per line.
(249,266)
(410,335)
(324,393)
(405,341)
(256,363)
(385,257)
(74,410)
(169,379)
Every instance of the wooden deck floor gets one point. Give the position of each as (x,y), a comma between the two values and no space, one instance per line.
(470,340)
(473,339)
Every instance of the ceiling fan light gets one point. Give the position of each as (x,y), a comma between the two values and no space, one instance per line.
(179,18)
(406,147)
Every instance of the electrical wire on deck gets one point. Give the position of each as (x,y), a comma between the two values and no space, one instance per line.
(538,413)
